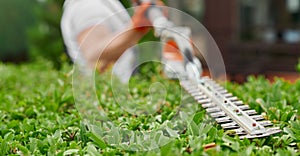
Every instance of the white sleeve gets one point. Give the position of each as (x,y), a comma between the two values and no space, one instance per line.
(77,16)
(85,13)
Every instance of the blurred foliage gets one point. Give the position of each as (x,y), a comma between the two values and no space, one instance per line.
(126,3)
(15,18)
(45,37)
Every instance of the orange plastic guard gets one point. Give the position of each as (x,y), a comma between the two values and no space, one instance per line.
(171,51)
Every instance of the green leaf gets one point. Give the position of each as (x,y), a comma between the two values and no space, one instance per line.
(97,140)
(4,147)
(166,149)
(91,150)
(198,117)
(71,151)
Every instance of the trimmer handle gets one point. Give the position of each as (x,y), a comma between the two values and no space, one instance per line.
(166,31)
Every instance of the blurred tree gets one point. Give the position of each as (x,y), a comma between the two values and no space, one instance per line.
(45,37)
(15,18)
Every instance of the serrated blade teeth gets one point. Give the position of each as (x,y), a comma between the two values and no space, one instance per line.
(240,131)
(213,110)
(204,101)
(273,130)
(227,95)
(223,120)
(219,88)
(257,117)
(244,107)
(218,114)
(196,94)
(238,103)
(189,87)
(265,123)
(269,131)
(251,112)
(233,99)
(228,111)
(231,125)
(223,91)
(193,89)
(200,97)
(209,105)
(248,136)
(237,131)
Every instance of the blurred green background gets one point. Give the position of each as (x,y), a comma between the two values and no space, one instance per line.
(15,18)
(254,36)
(30,30)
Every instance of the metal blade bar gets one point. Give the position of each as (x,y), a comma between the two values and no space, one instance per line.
(238,115)
(228,111)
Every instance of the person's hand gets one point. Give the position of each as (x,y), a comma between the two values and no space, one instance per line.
(141,23)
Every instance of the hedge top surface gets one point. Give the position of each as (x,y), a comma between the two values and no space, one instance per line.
(38,116)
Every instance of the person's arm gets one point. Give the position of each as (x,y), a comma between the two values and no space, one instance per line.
(98,45)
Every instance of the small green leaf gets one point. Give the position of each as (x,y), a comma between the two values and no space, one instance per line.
(97,140)
(71,151)
(91,150)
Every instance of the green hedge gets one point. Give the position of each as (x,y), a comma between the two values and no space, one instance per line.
(38,117)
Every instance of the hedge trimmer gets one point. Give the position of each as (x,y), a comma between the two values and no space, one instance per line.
(228,111)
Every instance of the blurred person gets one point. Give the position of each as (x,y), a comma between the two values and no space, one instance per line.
(98,32)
